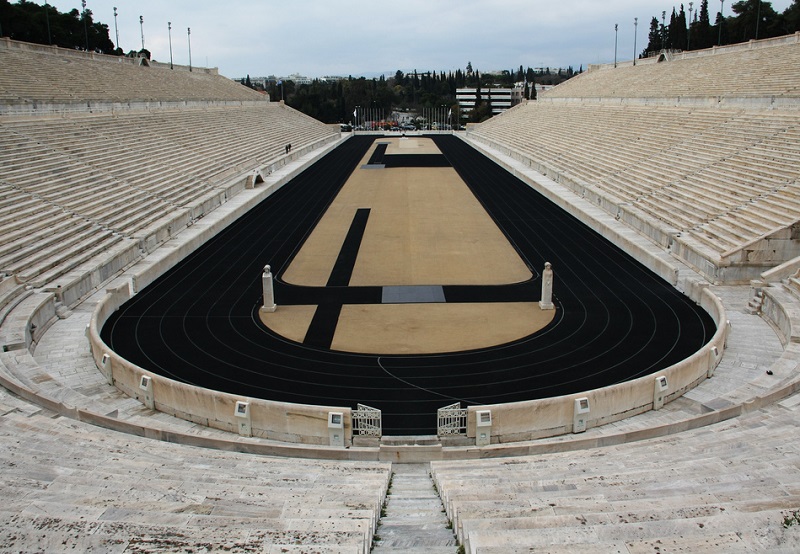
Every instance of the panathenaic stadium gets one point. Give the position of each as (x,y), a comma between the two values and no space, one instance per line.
(573,327)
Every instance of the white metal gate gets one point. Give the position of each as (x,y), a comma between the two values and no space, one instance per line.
(367,421)
(451,420)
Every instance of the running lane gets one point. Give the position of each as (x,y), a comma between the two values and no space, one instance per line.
(199,323)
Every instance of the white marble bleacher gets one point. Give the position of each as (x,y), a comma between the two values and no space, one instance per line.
(684,167)
(122,147)
(68,77)
(251,134)
(113,179)
(184,518)
(175,155)
(89,191)
(19,236)
(722,488)
(759,216)
(72,486)
(691,163)
(52,232)
(11,295)
(73,379)
(738,72)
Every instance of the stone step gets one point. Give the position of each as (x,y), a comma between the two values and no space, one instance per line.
(719,533)
(413,520)
(418,550)
(406,440)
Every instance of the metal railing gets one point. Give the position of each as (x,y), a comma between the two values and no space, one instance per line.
(451,420)
(367,421)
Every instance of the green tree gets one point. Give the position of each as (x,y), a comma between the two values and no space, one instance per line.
(753,19)
(704,32)
(677,30)
(791,18)
(671,31)
(28,21)
(481,112)
(334,102)
(654,38)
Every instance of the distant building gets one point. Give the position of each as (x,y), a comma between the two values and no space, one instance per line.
(262,82)
(298,79)
(501,99)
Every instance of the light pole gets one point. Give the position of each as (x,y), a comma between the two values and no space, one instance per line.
(141,28)
(616,36)
(758,17)
(85,29)
(635,32)
(169,33)
(721,19)
(189,35)
(47,18)
(689,29)
(116,30)
(663,30)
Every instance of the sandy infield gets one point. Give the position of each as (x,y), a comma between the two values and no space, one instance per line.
(425,228)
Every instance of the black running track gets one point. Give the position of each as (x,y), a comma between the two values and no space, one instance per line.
(199,323)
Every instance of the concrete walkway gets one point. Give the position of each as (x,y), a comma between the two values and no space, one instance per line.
(414,520)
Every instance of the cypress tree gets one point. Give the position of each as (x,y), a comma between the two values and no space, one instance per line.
(704,31)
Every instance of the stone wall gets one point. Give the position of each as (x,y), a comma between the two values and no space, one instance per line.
(294,423)
(518,421)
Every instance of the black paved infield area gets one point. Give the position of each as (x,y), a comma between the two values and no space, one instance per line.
(199,323)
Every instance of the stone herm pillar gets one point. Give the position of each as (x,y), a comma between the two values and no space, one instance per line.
(483,428)
(245,423)
(546,303)
(146,386)
(269,294)
(336,428)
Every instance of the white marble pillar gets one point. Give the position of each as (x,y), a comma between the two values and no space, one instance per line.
(546,303)
(269,294)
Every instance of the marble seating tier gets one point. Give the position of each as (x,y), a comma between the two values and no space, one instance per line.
(72,485)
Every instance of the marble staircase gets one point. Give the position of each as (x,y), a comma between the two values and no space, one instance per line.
(413,521)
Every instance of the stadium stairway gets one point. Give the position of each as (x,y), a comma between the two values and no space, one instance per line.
(413,521)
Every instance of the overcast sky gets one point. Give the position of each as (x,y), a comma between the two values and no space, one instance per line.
(353,37)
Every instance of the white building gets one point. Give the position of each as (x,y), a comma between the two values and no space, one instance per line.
(501,99)
(299,79)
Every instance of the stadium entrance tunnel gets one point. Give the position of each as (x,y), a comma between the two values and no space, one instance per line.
(200,323)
